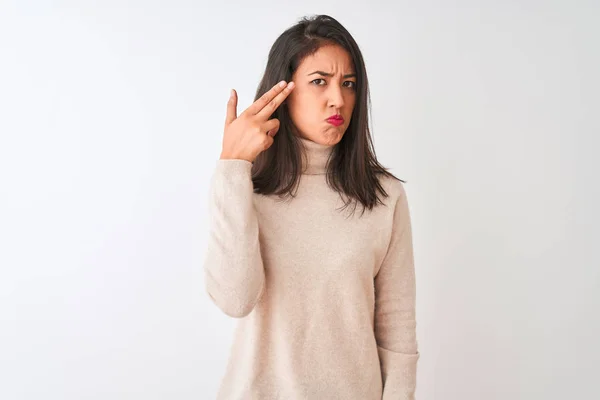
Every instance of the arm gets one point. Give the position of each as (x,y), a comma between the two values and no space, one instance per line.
(395,320)
(233,267)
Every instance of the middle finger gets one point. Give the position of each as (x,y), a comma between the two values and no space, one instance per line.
(271,106)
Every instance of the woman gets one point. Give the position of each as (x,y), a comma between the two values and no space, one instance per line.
(325,295)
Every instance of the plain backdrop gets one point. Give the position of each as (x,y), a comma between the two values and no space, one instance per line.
(111,120)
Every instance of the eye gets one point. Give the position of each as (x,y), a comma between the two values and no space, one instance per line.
(351,85)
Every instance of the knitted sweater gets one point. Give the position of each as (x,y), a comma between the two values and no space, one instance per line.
(325,299)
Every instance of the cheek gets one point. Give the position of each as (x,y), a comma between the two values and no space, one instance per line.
(350,102)
(293,104)
(301,109)
(304,103)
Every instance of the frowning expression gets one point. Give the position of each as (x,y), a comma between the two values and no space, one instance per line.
(325,87)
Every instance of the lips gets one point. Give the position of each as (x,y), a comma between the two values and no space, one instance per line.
(336,120)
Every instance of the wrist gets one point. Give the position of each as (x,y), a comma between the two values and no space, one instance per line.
(225,156)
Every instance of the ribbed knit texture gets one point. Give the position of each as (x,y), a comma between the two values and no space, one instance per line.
(325,299)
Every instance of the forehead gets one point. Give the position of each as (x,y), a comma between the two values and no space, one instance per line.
(328,58)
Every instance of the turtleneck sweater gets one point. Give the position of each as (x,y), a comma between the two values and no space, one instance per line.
(315,157)
(325,298)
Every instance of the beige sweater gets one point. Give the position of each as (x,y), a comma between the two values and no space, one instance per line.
(325,300)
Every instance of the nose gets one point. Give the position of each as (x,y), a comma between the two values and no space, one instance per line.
(335,97)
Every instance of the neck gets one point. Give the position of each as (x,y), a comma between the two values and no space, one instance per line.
(317,156)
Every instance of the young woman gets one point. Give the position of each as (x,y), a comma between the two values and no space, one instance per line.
(325,294)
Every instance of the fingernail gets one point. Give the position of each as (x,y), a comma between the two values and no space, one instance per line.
(231,94)
(282,84)
(290,85)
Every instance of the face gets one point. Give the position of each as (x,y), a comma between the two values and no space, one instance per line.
(325,86)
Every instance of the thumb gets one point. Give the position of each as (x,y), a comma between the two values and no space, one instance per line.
(231,108)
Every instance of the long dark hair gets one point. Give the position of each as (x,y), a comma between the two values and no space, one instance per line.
(353,169)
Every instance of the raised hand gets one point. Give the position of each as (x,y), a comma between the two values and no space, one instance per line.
(246,136)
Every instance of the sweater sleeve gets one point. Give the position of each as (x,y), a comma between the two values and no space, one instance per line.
(395,316)
(233,268)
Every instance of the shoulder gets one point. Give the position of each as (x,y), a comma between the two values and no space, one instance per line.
(394,188)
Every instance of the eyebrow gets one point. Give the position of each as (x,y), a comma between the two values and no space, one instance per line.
(329,74)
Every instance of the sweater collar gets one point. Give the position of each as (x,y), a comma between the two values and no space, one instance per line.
(317,155)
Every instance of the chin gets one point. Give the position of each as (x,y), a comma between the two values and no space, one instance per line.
(333,137)
(329,137)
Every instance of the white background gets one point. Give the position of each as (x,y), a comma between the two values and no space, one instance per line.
(111,118)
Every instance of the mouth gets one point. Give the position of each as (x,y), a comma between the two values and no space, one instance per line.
(336,120)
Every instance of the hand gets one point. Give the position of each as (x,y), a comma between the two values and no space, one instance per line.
(246,136)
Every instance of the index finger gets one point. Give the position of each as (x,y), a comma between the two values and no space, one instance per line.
(270,108)
(263,100)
